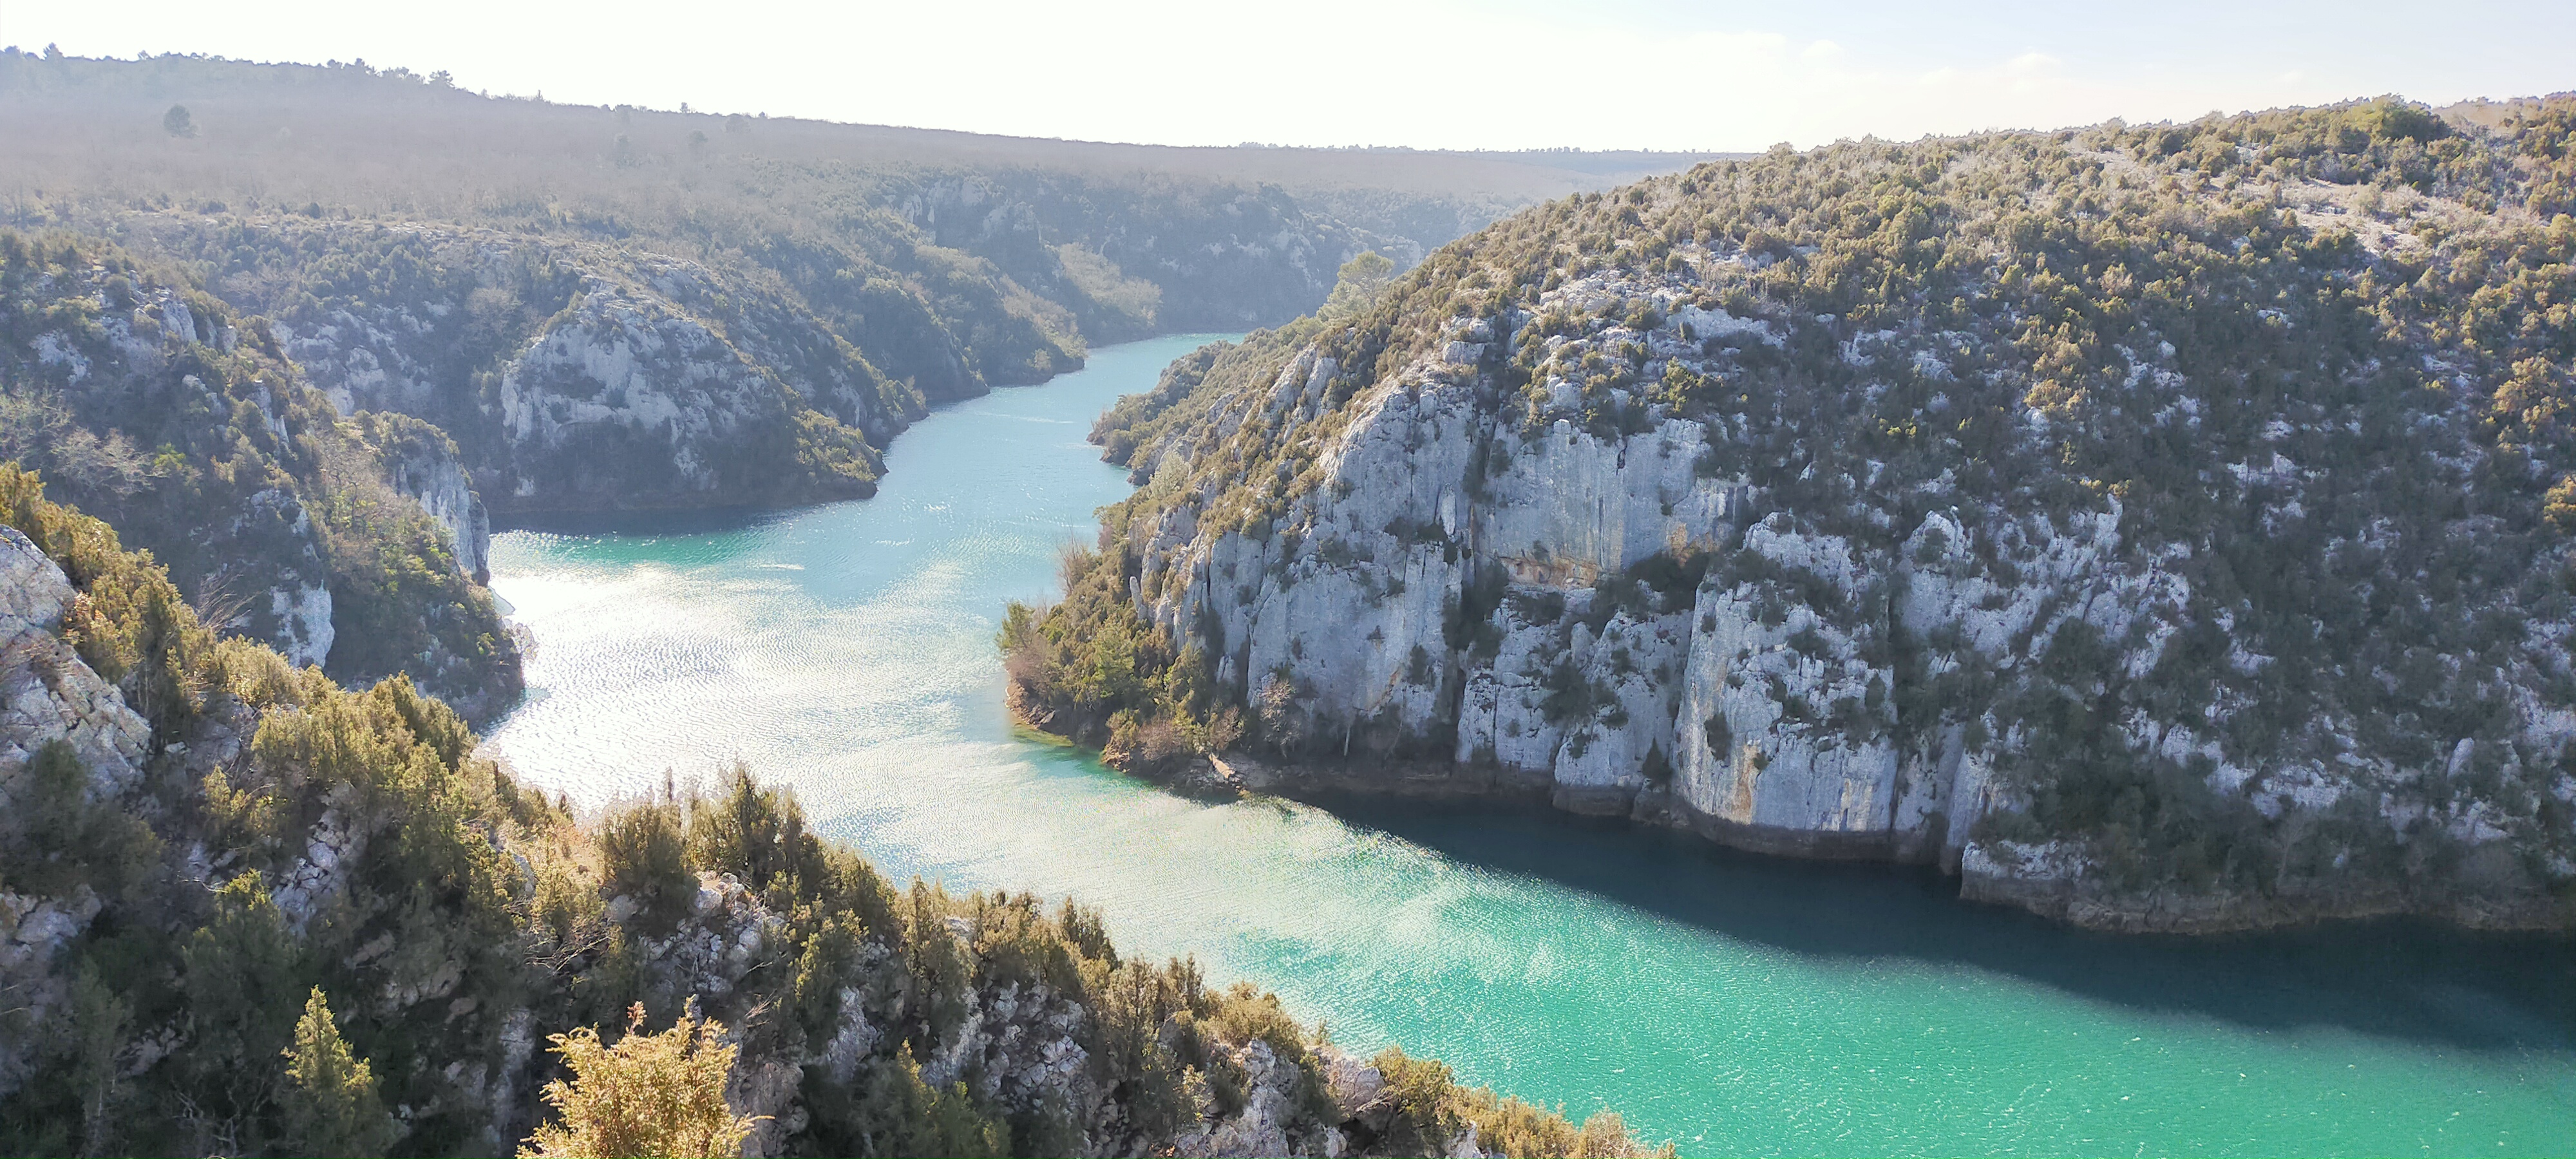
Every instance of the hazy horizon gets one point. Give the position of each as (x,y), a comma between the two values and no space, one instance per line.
(1504,75)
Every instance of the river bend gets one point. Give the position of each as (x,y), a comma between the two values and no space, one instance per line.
(1731,1003)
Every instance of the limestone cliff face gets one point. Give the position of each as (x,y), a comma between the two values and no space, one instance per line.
(2162,653)
(581,376)
(422,464)
(49,694)
(635,397)
(1443,591)
(145,401)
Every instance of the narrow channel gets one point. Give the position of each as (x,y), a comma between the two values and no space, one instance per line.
(1730,1003)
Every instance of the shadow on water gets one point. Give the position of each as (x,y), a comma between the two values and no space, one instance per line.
(647,524)
(2403,979)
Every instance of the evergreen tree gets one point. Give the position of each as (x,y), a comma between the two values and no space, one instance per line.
(330,1099)
(241,970)
(1363,281)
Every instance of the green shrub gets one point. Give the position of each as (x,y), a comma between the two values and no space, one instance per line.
(644,856)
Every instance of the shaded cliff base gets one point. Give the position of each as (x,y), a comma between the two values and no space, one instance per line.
(2398,978)
(2050,880)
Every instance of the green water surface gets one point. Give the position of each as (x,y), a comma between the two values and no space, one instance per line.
(1733,1004)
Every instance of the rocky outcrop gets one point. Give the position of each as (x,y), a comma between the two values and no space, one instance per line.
(1630,537)
(421,464)
(49,696)
(1599,618)
(1448,591)
(634,398)
(47,692)
(144,401)
(574,375)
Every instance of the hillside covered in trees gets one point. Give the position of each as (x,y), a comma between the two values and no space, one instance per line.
(245,910)
(2161,527)
(628,308)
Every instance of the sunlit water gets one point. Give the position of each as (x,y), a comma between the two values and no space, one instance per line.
(1730,1003)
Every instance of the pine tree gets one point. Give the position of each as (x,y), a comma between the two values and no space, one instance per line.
(241,973)
(1363,280)
(330,1099)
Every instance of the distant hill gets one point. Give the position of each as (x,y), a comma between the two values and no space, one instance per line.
(392,142)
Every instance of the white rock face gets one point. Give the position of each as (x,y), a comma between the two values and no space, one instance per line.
(634,366)
(1270,1088)
(305,615)
(1565,585)
(427,469)
(33,591)
(49,694)
(656,382)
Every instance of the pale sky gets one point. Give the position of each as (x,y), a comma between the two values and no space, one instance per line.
(1465,74)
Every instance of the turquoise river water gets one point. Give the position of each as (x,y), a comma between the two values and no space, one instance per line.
(1730,1003)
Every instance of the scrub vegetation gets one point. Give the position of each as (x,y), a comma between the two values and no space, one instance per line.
(470,260)
(312,920)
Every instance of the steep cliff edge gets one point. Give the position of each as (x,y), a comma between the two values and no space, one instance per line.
(571,375)
(353,543)
(2161,528)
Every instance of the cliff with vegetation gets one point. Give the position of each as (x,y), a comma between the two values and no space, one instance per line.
(622,308)
(245,910)
(354,543)
(2159,527)
(307,341)
(571,375)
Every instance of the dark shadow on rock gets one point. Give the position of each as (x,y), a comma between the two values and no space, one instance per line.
(2395,978)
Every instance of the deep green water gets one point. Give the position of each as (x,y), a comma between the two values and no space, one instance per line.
(1731,1003)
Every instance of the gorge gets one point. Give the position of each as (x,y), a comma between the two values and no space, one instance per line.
(1733,1004)
(2024,643)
